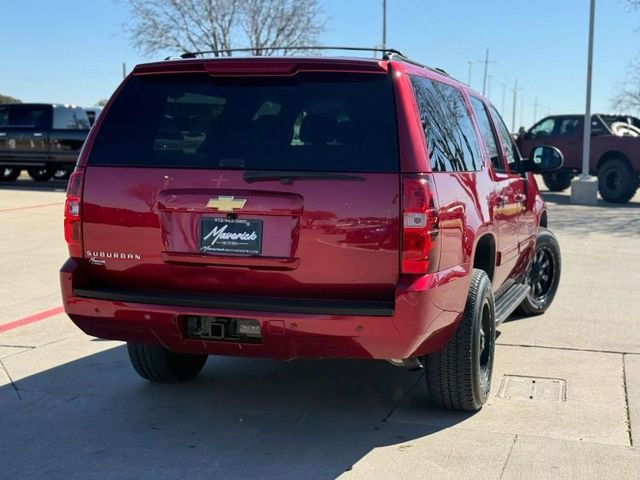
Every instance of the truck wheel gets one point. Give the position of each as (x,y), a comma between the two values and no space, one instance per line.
(543,275)
(617,182)
(459,377)
(40,174)
(9,174)
(157,364)
(62,173)
(557,181)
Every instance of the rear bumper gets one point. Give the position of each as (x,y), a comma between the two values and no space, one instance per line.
(421,320)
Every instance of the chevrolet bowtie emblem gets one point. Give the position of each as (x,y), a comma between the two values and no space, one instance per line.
(226,204)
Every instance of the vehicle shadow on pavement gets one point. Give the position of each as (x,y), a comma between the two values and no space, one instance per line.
(241,418)
(32,186)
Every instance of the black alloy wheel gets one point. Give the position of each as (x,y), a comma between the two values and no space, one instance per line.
(543,275)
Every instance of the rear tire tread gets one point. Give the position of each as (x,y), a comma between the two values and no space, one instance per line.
(157,364)
(449,373)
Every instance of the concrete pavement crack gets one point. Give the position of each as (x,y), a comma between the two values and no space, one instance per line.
(626,399)
(404,397)
(11,380)
(573,349)
(506,462)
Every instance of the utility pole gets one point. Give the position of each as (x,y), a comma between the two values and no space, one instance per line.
(535,110)
(384,24)
(521,110)
(470,62)
(586,137)
(504,98)
(489,86)
(486,71)
(515,100)
(124,70)
(584,190)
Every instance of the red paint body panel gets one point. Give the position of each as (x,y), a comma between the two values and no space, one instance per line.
(328,239)
(426,311)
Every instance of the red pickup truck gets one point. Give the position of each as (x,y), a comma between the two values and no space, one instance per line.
(615,151)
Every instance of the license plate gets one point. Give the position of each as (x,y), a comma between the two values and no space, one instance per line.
(233,236)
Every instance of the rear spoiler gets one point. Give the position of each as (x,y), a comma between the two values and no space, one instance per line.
(262,67)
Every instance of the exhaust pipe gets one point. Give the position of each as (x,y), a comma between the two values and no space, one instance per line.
(412,364)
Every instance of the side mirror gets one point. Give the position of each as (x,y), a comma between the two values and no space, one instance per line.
(544,158)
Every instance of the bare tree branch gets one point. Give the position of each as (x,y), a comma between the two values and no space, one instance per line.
(193,25)
(182,25)
(273,24)
(628,96)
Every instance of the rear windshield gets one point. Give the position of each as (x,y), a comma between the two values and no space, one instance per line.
(309,122)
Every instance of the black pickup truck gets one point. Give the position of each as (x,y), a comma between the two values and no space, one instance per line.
(43,138)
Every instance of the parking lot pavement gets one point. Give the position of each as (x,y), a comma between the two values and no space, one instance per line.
(565,401)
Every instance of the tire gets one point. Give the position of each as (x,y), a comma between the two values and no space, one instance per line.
(9,174)
(459,377)
(617,182)
(557,181)
(543,275)
(157,364)
(40,174)
(62,173)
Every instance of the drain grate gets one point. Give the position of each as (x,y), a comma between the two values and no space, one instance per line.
(537,389)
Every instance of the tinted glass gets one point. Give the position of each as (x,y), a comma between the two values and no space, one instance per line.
(490,142)
(543,129)
(4,116)
(27,116)
(319,122)
(451,139)
(70,118)
(568,127)
(510,149)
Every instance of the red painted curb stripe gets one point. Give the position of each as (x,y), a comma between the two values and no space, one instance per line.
(36,317)
(30,206)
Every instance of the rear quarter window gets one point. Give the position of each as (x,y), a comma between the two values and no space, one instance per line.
(451,139)
(309,122)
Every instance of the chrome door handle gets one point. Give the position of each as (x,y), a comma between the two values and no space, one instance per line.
(3,134)
(37,134)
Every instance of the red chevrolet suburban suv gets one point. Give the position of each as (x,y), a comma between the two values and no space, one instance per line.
(306,207)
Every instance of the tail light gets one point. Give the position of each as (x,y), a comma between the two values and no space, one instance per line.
(420,232)
(72,213)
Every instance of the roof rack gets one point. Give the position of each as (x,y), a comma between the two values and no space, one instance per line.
(384,51)
(387,53)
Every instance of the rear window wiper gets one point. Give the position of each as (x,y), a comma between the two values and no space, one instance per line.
(287,177)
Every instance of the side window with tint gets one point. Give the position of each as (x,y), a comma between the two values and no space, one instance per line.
(509,147)
(451,139)
(489,138)
(569,127)
(543,129)
(4,116)
(28,116)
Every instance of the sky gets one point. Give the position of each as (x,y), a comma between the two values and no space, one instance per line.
(72,51)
